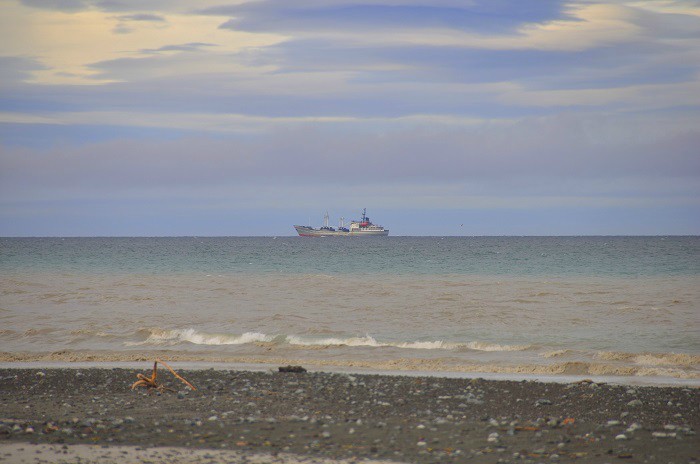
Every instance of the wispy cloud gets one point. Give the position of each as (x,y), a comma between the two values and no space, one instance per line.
(71,41)
(141,17)
(187,47)
(59,5)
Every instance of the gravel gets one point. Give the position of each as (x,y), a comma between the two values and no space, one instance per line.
(351,417)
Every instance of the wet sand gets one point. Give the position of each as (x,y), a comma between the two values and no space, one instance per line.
(241,416)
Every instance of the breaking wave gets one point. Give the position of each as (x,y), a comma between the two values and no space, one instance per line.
(482,346)
(555,353)
(174,336)
(651,359)
(157,336)
(445,355)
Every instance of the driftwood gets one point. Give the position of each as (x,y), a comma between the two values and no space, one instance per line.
(151,384)
(295,369)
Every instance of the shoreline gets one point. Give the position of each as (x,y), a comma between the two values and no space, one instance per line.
(337,416)
(671,369)
(629,380)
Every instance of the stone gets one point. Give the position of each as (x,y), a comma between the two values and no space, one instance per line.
(633,427)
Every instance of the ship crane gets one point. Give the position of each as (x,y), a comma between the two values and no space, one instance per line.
(325,223)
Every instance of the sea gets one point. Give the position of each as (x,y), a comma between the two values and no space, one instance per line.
(603,307)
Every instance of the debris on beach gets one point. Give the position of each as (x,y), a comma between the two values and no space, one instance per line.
(150,382)
(294,369)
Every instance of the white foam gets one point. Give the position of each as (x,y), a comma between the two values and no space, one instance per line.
(370,341)
(173,336)
(434,345)
(334,341)
(484,346)
(159,336)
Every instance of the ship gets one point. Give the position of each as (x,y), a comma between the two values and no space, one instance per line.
(363,227)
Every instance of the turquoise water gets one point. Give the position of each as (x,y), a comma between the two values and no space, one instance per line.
(508,256)
(530,305)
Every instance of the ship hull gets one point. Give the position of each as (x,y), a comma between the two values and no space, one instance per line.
(305,231)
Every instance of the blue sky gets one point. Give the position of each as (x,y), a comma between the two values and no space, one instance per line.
(442,117)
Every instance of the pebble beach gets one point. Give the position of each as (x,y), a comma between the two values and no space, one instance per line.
(93,415)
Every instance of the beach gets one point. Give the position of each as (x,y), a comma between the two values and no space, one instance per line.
(247,416)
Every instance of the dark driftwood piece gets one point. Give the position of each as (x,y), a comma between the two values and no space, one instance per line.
(295,369)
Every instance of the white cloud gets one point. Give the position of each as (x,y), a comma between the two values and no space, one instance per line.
(67,43)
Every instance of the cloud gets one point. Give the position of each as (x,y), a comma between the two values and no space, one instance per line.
(187,47)
(141,17)
(17,68)
(172,69)
(566,152)
(123,26)
(70,42)
(72,6)
(338,15)
(162,6)
(118,29)
(576,27)
(59,5)
(651,96)
(547,55)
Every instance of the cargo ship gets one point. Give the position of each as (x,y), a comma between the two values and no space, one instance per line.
(363,227)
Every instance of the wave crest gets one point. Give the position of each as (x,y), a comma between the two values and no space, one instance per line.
(484,346)
(555,353)
(157,336)
(174,336)
(651,359)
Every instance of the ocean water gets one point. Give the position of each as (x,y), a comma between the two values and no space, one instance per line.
(594,306)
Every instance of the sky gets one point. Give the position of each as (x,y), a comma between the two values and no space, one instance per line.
(441,117)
